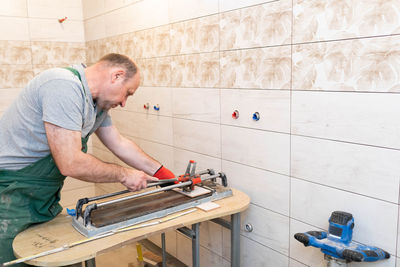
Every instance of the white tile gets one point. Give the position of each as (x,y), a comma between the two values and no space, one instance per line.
(12,28)
(170,241)
(138,16)
(367,118)
(91,8)
(153,96)
(57,9)
(269,228)
(209,258)
(13,8)
(203,162)
(148,127)
(366,170)
(114,4)
(196,104)
(398,236)
(265,189)
(188,9)
(225,263)
(272,105)
(257,255)
(162,153)
(201,137)
(266,150)
(294,263)
(95,28)
(7,97)
(52,30)
(225,5)
(211,237)
(313,204)
(184,249)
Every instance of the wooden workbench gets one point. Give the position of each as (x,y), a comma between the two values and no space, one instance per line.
(59,231)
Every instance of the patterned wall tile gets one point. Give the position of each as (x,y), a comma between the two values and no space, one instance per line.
(58,53)
(331,19)
(196,70)
(197,35)
(15,52)
(15,76)
(158,42)
(353,65)
(267,68)
(39,68)
(263,25)
(157,72)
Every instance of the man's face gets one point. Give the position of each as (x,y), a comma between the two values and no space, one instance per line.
(118,91)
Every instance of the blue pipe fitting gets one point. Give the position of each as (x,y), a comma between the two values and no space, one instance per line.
(256,116)
(156,107)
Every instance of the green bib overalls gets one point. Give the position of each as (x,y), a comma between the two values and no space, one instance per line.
(28,196)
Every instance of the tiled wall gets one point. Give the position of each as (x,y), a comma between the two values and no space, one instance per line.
(324,76)
(32,40)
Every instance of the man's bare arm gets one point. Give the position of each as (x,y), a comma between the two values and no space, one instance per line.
(126,150)
(65,146)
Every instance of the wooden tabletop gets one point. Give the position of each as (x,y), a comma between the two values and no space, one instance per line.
(59,231)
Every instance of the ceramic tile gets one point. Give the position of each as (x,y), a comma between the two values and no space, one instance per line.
(265,189)
(91,8)
(147,14)
(115,4)
(266,150)
(211,237)
(225,5)
(351,65)
(273,107)
(262,25)
(15,52)
(294,263)
(203,162)
(95,28)
(354,117)
(162,153)
(266,68)
(194,36)
(148,127)
(157,41)
(255,254)
(196,103)
(170,241)
(55,9)
(269,228)
(39,68)
(328,20)
(154,96)
(157,72)
(197,136)
(365,170)
(15,76)
(58,53)
(15,8)
(72,183)
(195,70)
(7,96)
(14,29)
(188,9)
(369,214)
(184,249)
(51,30)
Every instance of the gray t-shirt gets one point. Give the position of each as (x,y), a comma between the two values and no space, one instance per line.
(55,96)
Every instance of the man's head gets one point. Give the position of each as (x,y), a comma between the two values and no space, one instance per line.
(112,79)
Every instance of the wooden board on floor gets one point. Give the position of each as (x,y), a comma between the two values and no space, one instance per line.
(59,232)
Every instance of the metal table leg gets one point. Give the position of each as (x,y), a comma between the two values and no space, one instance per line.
(90,263)
(196,245)
(164,254)
(235,240)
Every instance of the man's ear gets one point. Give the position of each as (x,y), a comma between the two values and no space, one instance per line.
(117,75)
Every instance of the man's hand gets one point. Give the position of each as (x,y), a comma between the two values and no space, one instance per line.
(136,180)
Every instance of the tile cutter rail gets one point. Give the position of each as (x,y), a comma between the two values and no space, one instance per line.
(177,194)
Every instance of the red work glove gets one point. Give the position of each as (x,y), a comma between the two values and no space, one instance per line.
(163,173)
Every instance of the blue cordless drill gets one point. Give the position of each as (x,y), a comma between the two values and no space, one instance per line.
(337,242)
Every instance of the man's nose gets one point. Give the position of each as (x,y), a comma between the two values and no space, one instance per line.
(122,104)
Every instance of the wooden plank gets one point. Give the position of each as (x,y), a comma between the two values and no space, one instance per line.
(59,232)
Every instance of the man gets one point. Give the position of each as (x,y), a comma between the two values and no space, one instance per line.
(43,137)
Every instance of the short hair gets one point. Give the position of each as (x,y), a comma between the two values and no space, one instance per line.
(114,59)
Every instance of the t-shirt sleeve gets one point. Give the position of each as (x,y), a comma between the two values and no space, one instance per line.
(107,121)
(62,104)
